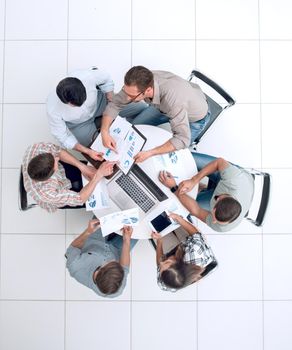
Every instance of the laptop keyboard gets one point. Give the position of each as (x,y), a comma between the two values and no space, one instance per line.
(135,192)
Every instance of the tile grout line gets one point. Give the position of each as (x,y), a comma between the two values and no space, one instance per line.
(131,289)
(2,134)
(261,152)
(197,290)
(151,39)
(65,221)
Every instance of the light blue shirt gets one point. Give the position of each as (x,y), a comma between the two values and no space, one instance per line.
(59,113)
(81,263)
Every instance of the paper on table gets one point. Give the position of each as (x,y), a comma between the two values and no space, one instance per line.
(175,163)
(99,199)
(118,130)
(115,221)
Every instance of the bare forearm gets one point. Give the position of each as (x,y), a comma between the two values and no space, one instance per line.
(164,148)
(89,188)
(159,251)
(80,240)
(66,157)
(125,255)
(82,149)
(218,164)
(190,228)
(105,123)
(193,206)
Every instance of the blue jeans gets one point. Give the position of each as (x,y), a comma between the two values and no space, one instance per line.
(204,197)
(117,242)
(199,126)
(142,113)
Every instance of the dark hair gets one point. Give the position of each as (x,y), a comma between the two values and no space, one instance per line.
(41,167)
(227,209)
(109,278)
(180,274)
(140,77)
(71,90)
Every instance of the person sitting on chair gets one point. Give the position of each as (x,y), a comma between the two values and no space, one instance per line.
(75,108)
(98,263)
(183,102)
(191,260)
(226,200)
(52,186)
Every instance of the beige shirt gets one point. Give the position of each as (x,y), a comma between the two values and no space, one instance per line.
(182,101)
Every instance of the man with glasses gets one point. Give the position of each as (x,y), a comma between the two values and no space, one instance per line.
(181,101)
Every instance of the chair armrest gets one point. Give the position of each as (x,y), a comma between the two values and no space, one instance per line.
(214,85)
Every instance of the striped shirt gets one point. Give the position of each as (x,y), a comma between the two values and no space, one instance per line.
(55,192)
(196,251)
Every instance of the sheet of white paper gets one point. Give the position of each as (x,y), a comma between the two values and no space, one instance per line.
(175,163)
(115,221)
(99,199)
(118,130)
(132,146)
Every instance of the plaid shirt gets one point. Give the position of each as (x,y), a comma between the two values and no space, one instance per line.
(55,192)
(196,251)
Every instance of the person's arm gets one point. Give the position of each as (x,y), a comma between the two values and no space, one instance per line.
(159,250)
(190,228)
(105,169)
(125,254)
(93,225)
(218,164)
(164,148)
(107,140)
(192,206)
(90,152)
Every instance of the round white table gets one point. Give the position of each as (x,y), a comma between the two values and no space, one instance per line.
(183,164)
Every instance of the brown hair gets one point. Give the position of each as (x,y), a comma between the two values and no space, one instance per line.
(227,209)
(139,76)
(109,277)
(181,274)
(41,167)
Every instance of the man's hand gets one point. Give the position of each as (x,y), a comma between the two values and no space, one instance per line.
(156,235)
(167,179)
(88,172)
(187,186)
(95,155)
(93,225)
(108,141)
(127,233)
(141,156)
(106,168)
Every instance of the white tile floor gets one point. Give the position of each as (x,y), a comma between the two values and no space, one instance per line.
(246,45)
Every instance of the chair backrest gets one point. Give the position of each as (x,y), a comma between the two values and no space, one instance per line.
(258,210)
(22,195)
(214,107)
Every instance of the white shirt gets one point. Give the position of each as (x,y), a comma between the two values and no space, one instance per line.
(59,112)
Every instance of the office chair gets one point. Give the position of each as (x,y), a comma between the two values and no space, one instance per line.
(260,203)
(22,195)
(215,108)
(72,173)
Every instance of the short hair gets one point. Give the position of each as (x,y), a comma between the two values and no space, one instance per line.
(227,209)
(139,76)
(41,167)
(71,90)
(110,278)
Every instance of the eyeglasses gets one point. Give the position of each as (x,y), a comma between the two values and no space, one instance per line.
(132,98)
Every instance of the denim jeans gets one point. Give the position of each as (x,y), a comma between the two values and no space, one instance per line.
(199,126)
(204,197)
(142,113)
(117,242)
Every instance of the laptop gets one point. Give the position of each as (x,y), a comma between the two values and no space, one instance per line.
(136,189)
